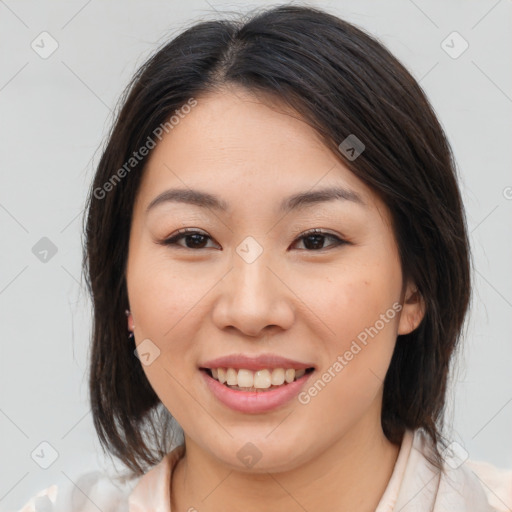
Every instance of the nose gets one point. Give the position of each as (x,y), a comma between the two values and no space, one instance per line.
(253,299)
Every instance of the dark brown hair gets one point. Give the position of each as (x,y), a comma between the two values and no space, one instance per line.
(341,81)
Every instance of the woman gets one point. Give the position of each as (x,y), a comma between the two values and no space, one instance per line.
(276,224)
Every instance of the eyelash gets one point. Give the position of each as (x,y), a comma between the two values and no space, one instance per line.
(183,233)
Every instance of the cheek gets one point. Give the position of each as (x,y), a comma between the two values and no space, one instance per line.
(162,294)
(350,381)
(361,306)
(162,301)
(355,299)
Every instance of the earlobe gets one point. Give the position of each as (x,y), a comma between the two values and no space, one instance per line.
(129,316)
(412,312)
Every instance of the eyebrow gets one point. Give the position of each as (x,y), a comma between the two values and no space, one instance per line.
(294,202)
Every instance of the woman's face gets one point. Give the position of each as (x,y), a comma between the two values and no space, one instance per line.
(248,284)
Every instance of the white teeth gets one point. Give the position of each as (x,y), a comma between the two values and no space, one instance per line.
(277,376)
(231,377)
(221,377)
(261,379)
(245,379)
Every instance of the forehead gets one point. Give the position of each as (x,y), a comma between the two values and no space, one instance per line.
(233,143)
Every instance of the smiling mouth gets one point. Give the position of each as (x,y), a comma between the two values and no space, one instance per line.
(242,379)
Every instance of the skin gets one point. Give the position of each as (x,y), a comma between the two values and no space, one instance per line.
(299,302)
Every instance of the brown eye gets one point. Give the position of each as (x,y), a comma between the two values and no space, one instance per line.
(315,238)
(193,239)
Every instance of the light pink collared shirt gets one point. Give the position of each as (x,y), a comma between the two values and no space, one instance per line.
(414,486)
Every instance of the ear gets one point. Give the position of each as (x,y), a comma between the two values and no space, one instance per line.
(129,317)
(413,310)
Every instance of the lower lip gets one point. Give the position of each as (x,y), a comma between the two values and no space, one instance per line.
(255,401)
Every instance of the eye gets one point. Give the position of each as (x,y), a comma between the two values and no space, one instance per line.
(193,239)
(313,239)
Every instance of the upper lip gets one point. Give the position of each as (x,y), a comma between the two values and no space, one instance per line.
(260,362)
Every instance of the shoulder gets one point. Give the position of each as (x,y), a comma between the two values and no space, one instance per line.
(496,483)
(91,491)
(461,484)
(478,483)
(109,491)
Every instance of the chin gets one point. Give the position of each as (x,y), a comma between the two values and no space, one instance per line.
(259,454)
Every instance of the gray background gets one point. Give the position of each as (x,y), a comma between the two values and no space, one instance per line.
(55,113)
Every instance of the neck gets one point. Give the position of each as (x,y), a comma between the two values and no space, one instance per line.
(351,475)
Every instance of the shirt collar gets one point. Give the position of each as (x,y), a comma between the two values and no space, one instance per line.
(153,490)
(415,485)
(425,488)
